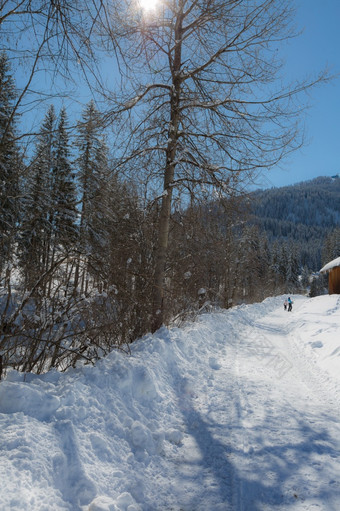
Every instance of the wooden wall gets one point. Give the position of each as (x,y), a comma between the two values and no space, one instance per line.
(334,281)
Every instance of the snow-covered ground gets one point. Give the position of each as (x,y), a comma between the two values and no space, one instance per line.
(238,411)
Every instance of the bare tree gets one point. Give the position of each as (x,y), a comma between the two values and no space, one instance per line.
(52,47)
(200,106)
(201,101)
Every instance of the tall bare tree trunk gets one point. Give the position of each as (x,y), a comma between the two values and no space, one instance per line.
(164,221)
(162,246)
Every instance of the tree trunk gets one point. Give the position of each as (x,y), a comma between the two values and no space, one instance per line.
(164,221)
(162,246)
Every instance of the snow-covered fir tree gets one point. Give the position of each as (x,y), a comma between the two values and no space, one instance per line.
(93,183)
(37,226)
(9,165)
(63,189)
(331,249)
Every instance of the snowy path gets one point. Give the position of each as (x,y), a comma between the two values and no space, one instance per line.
(289,424)
(236,412)
(262,432)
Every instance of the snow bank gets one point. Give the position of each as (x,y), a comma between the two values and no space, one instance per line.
(112,437)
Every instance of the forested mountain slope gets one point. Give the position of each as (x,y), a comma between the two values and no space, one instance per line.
(305,213)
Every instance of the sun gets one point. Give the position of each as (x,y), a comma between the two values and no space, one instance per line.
(148,4)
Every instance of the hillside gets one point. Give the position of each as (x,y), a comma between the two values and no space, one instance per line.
(237,411)
(304,214)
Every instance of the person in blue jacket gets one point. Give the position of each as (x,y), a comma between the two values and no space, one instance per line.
(290,304)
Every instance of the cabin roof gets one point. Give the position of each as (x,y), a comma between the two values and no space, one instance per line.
(331,265)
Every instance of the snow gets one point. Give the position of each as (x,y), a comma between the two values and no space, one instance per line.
(237,411)
(330,265)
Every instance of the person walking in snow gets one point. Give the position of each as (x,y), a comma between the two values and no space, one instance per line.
(290,304)
(285,305)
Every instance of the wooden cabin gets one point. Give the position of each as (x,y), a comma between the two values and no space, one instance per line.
(333,270)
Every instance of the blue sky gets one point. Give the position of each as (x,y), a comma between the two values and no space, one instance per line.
(317,47)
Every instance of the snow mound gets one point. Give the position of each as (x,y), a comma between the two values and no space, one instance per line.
(190,420)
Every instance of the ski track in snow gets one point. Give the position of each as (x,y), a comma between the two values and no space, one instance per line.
(290,423)
(238,411)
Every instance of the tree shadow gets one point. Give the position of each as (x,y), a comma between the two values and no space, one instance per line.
(267,476)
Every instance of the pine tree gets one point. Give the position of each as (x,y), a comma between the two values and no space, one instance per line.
(63,190)
(331,249)
(37,229)
(305,277)
(93,184)
(9,165)
(293,268)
